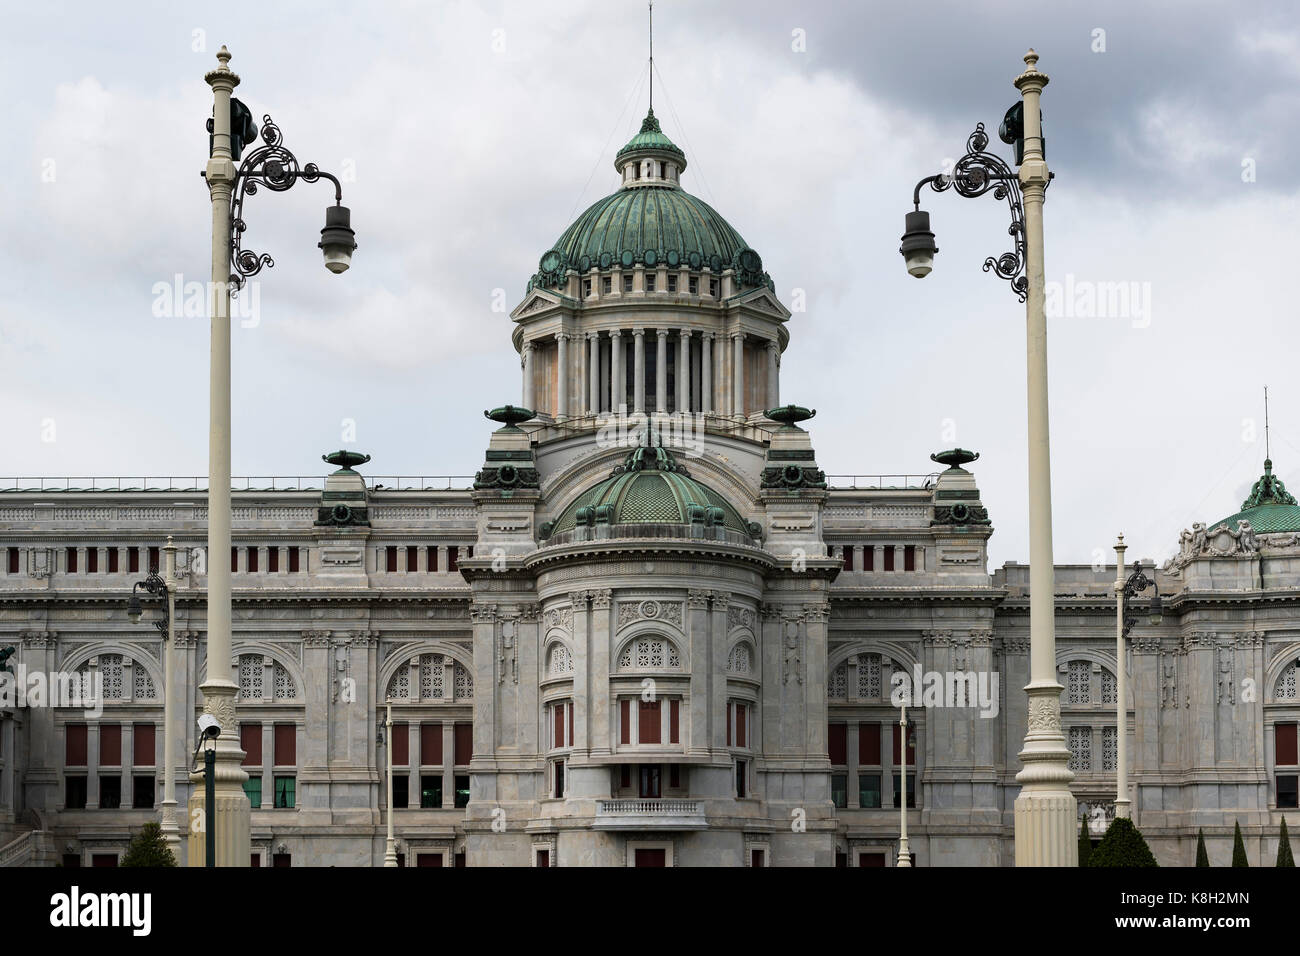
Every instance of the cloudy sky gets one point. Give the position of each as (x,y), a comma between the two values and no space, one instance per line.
(473,133)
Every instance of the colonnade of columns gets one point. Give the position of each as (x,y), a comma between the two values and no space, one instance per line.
(686,376)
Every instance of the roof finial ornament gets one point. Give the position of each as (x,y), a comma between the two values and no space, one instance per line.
(652,56)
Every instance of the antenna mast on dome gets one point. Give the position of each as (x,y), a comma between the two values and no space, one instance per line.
(1266,448)
(652,56)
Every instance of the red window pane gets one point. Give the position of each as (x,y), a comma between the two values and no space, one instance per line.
(848,557)
(273,560)
(133,560)
(112,560)
(153,559)
(453,556)
(250,741)
(837,744)
(869,744)
(252,560)
(674,722)
(432,557)
(92,560)
(1284,744)
(464,743)
(889,557)
(390,558)
(72,560)
(909,558)
(869,558)
(110,745)
(569,707)
(558,734)
(401,745)
(142,747)
(742,722)
(286,745)
(234,559)
(431,744)
(293,560)
(648,724)
(13,560)
(625,721)
(412,558)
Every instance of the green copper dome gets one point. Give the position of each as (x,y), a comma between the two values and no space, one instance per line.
(1269,509)
(651,138)
(650,487)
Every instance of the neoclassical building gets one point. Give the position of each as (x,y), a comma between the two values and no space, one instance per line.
(649,631)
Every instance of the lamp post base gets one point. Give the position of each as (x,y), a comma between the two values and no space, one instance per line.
(390,853)
(171,831)
(904,854)
(232,810)
(1046,813)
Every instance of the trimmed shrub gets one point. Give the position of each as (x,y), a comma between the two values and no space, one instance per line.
(1202,858)
(1085,844)
(1284,857)
(1123,845)
(1238,847)
(148,848)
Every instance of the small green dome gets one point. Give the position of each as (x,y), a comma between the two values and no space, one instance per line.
(650,487)
(1270,509)
(650,138)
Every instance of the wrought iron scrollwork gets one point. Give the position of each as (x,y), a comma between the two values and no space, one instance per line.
(979,172)
(273,166)
(1136,583)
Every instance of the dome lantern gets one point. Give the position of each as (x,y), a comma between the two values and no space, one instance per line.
(650,158)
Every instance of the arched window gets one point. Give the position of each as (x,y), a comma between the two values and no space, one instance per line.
(433,680)
(645,653)
(113,674)
(838,687)
(559,661)
(740,660)
(252,679)
(1286,683)
(1077,686)
(463,682)
(869,676)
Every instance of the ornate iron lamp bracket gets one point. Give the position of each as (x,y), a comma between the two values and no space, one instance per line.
(975,174)
(1137,583)
(273,166)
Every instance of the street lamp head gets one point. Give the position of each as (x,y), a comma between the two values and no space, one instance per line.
(918,246)
(133,608)
(1156,611)
(337,239)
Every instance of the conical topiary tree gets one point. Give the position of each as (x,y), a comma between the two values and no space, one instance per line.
(1284,848)
(1202,858)
(1085,844)
(1238,847)
(148,848)
(1123,845)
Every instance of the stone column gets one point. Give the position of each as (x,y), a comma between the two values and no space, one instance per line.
(448,765)
(638,370)
(528,376)
(697,636)
(598,737)
(738,374)
(562,374)
(661,372)
(706,372)
(773,379)
(716,655)
(593,346)
(684,371)
(268,765)
(581,670)
(92,766)
(617,378)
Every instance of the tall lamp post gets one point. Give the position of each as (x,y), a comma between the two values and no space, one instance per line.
(166,585)
(390,846)
(1045,810)
(904,852)
(271,166)
(1126,615)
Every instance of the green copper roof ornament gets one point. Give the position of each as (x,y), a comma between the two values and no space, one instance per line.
(790,415)
(345,460)
(1269,490)
(511,416)
(955,457)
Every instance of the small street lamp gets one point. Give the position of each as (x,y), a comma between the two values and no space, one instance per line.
(1126,615)
(157,586)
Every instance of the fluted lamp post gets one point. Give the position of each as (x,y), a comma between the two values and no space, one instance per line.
(1126,615)
(904,852)
(270,166)
(1045,810)
(164,585)
(390,845)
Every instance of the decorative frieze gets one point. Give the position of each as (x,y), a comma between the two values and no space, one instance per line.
(560,617)
(629,612)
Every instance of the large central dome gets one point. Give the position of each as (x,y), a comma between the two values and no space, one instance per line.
(651,222)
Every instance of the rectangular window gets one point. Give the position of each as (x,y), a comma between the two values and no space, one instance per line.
(756,859)
(693,286)
(273,559)
(742,725)
(402,791)
(464,740)
(74,752)
(543,859)
(461,782)
(110,793)
(72,560)
(909,557)
(869,791)
(625,721)
(837,744)
(889,557)
(647,722)
(848,557)
(674,722)
(431,792)
(74,793)
(557,736)
(250,741)
(286,793)
(252,560)
(401,744)
(741,780)
(627,283)
(606,285)
(432,557)
(868,557)
(234,560)
(649,789)
(649,281)
(840,790)
(911,790)
(430,745)
(625,776)
(13,560)
(153,559)
(282,860)
(570,709)
(453,556)
(390,558)
(911,746)
(142,748)
(672,283)
(92,560)
(253,790)
(557,778)
(293,560)
(1288,796)
(286,745)
(110,745)
(133,560)
(412,558)
(713,288)
(868,744)
(675,776)
(586,288)
(112,560)
(1284,745)
(142,795)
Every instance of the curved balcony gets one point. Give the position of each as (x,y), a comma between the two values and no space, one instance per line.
(649,814)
